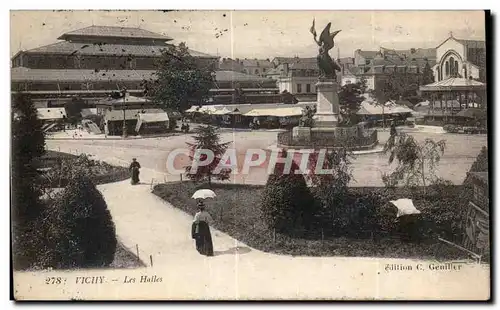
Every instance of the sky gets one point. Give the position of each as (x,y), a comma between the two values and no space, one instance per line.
(260,34)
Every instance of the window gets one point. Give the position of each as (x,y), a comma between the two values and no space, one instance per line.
(132,63)
(456,69)
(447,68)
(299,88)
(308,88)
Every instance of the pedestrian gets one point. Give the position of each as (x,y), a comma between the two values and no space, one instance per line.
(393,129)
(134,171)
(200,231)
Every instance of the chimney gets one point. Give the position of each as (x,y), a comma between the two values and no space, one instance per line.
(285,68)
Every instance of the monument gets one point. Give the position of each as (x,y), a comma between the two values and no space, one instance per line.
(320,128)
(327,105)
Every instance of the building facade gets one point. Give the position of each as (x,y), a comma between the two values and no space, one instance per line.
(92,62)
(298,76)
(258,67)
(457,58)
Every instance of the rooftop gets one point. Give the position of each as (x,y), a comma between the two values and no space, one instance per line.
(114,32)
(473,43)
(21,74)
(453,84)
(263,63)
(72,48)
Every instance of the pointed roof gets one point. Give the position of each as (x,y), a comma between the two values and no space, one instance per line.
(467,43)
(114,32)
(453,84)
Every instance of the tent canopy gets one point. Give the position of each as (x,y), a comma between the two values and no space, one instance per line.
(278,112)
(51,113)
(370,108)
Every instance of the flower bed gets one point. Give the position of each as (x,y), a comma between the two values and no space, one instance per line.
(63,167)
(236,212)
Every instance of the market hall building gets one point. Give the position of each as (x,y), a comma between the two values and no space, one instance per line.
(90,63)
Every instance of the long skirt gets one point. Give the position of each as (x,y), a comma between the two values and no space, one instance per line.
(135,176)
(201,234)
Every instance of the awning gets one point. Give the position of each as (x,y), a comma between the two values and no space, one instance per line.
(88,112)
(51,113)
(192,109)
(278,112)
(221,112)
(153,117)
(370,108)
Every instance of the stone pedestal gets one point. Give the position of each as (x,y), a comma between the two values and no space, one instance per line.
(302,134)
(327,106)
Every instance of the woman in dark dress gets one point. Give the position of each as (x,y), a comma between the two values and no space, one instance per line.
(200,231)
(134,171)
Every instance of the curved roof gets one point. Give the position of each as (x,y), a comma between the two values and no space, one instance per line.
(453,84)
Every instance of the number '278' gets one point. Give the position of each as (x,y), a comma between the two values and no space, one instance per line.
(53,280)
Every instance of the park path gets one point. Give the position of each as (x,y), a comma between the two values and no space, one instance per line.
(162,233)
(237,271)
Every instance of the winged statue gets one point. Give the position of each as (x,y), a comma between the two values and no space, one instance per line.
(326,64)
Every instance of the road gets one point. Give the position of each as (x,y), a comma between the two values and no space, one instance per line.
(152,153)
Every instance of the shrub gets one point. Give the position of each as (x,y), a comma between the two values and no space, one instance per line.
(480,165)
(450,128)
(287,204)
(80,231)
(99,172)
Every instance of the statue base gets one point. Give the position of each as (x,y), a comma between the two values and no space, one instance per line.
(327,105)
(302,134)
(326,120)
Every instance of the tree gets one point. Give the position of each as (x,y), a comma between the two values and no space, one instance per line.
(427,75)
(331,189)
(180,80)
(350,98)
(28,144)
(80,232)
(207,138)
(395,86)
(287,204)
(416,163)
(73,109)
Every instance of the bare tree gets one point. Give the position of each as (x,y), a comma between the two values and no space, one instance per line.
(416,162)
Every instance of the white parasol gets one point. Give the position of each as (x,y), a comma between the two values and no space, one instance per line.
(405,207)
(203,194)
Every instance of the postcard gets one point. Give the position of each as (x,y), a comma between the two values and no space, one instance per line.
(249,155)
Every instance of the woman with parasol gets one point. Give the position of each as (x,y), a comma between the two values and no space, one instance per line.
(200,230)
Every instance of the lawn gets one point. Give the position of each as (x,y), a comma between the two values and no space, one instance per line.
(236,212)
(125,259)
